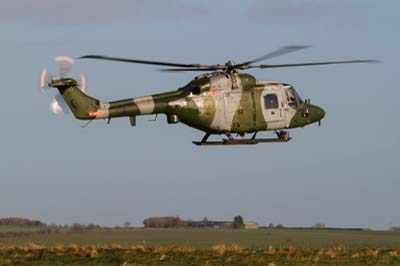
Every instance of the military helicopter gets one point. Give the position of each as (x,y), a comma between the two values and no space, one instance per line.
(222,101)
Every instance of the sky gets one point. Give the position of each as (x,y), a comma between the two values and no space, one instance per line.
(344,173)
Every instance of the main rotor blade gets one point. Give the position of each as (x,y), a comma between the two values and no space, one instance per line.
(138,61)
(279,52)
(192,69)
(312,64)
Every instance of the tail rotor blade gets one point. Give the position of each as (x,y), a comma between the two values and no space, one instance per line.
(44,79)
(64,63)
(58,105)
(83,84)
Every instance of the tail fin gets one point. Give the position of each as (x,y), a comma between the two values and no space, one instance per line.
(79,103)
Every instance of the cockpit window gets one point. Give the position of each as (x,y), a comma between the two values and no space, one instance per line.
(293,98)
(291,95)
(298,96)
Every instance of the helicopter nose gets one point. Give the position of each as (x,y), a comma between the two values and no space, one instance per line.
(319,113)
(316,114)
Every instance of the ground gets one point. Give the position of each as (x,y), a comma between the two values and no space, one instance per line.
(203,247)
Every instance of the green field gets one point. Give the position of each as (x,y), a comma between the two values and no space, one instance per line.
(203,247)
(255,239)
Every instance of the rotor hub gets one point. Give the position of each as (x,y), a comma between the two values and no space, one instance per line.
(230,64)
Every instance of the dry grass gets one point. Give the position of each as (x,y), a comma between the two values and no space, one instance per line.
(217,255)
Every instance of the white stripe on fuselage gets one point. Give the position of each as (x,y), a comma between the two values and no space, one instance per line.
(145,104)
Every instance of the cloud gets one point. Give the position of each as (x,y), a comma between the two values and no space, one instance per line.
(73,12)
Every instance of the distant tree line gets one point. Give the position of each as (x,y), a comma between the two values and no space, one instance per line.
(39,227)
(13,221)
(176,222)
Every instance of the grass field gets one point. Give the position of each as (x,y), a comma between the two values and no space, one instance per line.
(203,247)
(255,239)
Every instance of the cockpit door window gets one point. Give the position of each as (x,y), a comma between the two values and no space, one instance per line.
(271,101)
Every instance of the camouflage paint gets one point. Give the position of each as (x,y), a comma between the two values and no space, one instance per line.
(215,103)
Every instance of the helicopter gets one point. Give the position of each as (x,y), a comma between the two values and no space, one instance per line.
(221,101)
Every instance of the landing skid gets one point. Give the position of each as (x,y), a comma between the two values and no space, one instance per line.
(239,141)
(283,136)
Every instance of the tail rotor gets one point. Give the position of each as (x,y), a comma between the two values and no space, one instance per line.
(64,64)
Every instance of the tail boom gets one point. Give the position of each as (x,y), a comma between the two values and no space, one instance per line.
(85,107)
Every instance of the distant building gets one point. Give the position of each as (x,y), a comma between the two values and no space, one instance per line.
(251,225)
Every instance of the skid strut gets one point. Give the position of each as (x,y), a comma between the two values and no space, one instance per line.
(282,136)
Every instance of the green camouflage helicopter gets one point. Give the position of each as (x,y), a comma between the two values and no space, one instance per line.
(221,102)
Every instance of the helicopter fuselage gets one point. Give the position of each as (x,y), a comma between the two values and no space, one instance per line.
(216,103)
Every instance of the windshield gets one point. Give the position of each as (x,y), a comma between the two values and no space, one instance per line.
(293,98)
